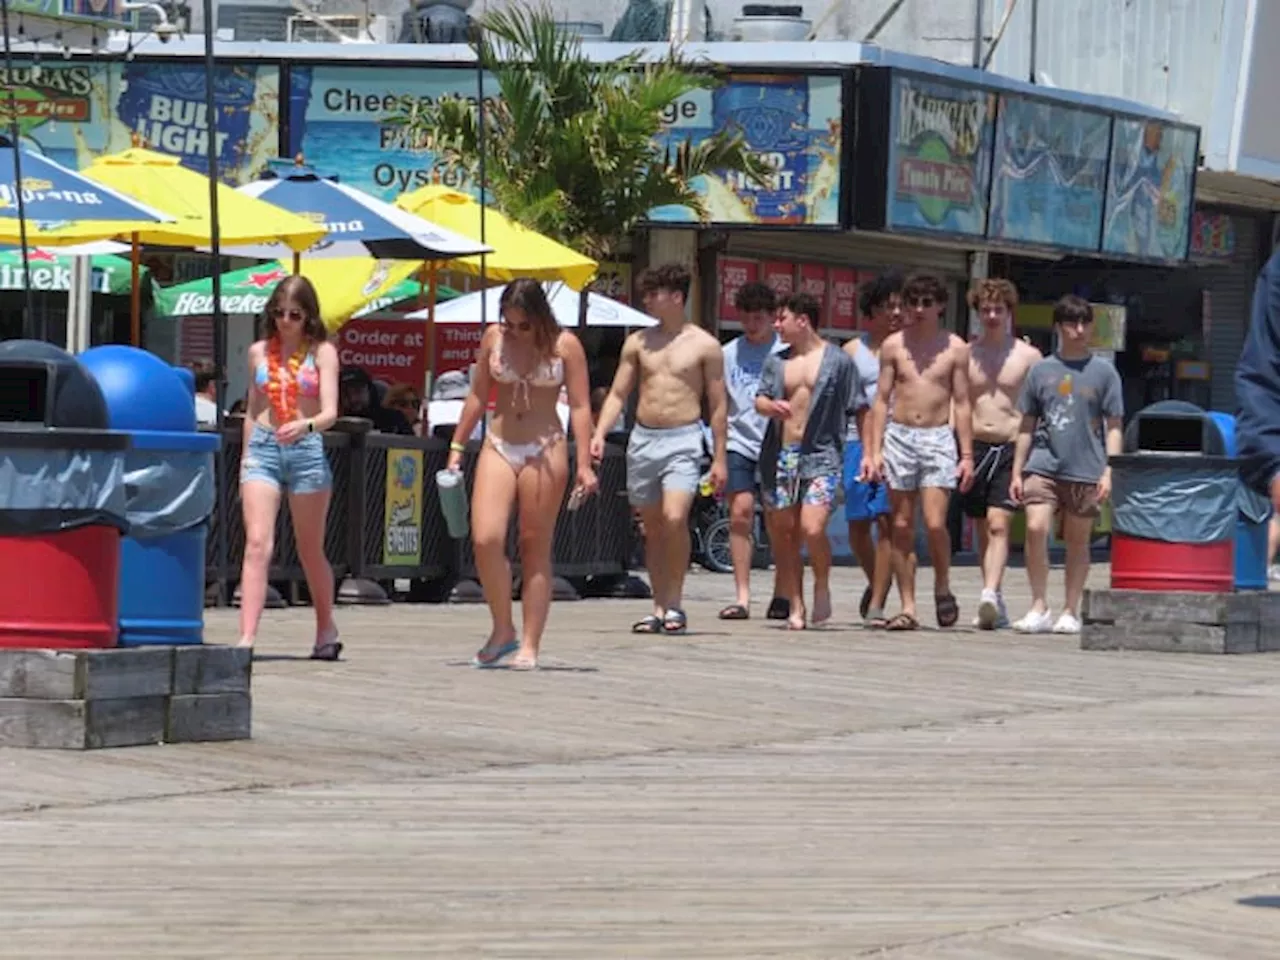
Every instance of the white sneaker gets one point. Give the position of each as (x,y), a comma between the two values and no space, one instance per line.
(1067,623)
(988,610)
(1035,623)
(1274,573)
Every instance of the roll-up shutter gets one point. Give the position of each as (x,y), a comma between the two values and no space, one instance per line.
(866,251)
(1229,284)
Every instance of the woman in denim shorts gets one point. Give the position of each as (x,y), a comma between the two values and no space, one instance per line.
(293,398)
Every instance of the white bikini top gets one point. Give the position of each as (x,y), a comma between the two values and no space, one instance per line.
(548,374)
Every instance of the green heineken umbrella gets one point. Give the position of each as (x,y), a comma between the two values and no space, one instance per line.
(51,271)
(246,292)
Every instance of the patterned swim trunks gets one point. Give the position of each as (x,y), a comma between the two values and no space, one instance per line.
(790,491)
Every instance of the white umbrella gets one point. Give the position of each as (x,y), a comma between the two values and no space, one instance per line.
(601,311)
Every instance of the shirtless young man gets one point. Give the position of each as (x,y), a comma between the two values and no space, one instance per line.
(676,364)
(808,391)
(867,504)
(926,369)
(998,364)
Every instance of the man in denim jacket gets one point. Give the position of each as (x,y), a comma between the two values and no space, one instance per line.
(808,391)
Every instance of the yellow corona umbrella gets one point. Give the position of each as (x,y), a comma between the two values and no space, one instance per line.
(518,251)
(161,182)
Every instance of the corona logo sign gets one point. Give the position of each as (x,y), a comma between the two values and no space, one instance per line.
(36,185)
(313,217)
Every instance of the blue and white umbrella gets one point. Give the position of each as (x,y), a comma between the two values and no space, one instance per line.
(358,224)
(53,195)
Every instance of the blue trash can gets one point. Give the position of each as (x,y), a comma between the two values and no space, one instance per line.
(171,495)
(1252,522)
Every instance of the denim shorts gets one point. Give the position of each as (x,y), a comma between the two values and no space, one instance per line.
(300,467)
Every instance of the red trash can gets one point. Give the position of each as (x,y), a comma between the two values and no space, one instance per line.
(63,504)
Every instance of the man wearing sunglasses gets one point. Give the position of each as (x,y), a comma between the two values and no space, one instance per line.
(926,370)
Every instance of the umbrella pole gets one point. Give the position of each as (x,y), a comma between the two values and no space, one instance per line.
(15,134)
(429,380)
(297,263)
(135,293)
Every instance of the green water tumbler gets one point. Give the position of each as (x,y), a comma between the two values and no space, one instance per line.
(453,502)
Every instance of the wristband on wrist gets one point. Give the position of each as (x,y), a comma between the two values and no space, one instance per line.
(311,426)
(457,447)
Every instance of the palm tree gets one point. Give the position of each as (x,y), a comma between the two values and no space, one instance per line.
(572,146)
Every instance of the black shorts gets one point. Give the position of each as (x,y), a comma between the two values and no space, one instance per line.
(992,474)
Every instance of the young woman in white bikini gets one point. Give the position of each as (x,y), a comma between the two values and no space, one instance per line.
(526,457)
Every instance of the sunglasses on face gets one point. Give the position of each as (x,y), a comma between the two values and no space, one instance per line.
(280,313)
(523,326)
(923,303)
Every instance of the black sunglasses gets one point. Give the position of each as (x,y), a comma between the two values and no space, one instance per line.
(279,312)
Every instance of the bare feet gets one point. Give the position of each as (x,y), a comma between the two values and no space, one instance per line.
(796,621)
(525,661)
(821,605)
(246,642)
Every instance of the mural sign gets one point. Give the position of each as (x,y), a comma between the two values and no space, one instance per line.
(1149,190)
(1050,173)
(75,112)
(339,120)
(792,122)
(940,142)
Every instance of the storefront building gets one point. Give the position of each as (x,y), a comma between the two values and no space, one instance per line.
(882,161)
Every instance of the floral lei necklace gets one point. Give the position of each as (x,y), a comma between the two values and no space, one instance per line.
(282,390)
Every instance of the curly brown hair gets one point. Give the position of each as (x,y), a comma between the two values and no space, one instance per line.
(298,289)
(993,290)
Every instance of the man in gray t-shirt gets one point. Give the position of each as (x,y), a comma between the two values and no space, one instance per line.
(743,360)
(1060,464)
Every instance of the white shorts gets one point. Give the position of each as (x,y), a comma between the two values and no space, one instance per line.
(919,457)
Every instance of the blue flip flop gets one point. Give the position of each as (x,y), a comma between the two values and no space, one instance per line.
(481,662)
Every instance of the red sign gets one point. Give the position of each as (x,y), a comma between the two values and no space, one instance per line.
(734,275)
(842,285)
(813,281)
(456,345)
(393,351)
(781,276)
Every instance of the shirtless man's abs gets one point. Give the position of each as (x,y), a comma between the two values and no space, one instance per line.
(675,365)
(998,365)
(926,371)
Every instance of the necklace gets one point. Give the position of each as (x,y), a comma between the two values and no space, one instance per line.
(282,391)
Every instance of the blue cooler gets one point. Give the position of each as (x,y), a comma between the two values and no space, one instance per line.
(1252,521)
(171,495)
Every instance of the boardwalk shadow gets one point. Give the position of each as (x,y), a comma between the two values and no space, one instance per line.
(288,658)
(507,668)
(1272,902)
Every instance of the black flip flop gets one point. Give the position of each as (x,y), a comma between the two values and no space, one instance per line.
(865,605)
(649,624)
(947,609)
(779,609)
(327,651)
(735,611)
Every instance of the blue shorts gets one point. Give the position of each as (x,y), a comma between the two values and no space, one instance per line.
(862,501)
(742,474)
(300,467)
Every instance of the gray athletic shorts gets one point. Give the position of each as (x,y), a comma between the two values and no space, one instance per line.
(660,459)
(919,457)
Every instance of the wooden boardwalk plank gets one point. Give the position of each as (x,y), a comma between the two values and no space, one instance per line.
(742,792)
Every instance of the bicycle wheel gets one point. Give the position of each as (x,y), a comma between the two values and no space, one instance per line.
(716,555)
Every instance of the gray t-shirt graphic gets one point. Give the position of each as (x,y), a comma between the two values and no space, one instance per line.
(1070,399)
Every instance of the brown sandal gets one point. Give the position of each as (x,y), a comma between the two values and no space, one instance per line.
(947,609)
(902,623)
